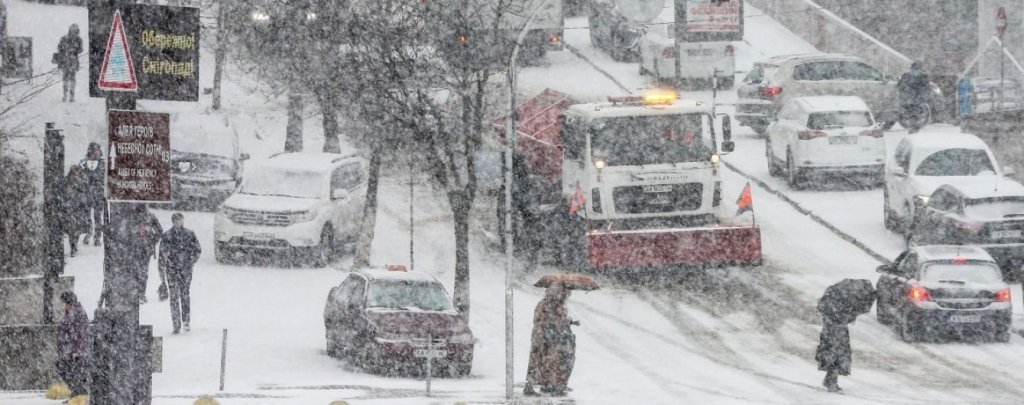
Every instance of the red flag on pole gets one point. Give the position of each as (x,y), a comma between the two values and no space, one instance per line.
(578,200)
(746,201)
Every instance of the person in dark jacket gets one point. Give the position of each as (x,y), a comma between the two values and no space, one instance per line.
(552,344)
(132,236)
(94,167)
(834,354)
(72,345)
(179,251)
(68,49)
(914,89)
(76,207)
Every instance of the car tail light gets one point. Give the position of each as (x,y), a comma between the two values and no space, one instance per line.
(809,134)
(668,52)
(919,294)
(770,91)
(874,133)
(729,51)
(1003,295)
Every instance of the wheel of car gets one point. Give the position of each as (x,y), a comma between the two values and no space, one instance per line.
(324,253)
(793,175)
(1002,334)
(882,313)
(333,349)
(760,128)
(908,333)
(773,168)
(888,216)
(223,254)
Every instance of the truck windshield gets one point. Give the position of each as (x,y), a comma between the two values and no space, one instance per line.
(298,184)
(636,141)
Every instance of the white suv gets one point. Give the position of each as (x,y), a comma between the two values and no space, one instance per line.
(294,204)
(825,134)
(923,162)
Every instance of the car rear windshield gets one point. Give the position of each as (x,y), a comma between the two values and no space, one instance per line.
(995,207)
(839,119)
(981,273)
(955,162)
(836,70)
(282,183)
(408,295)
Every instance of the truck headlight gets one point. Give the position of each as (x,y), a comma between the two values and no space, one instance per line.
(921,200)
(599,163)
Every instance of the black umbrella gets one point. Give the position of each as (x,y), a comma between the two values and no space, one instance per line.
(842,302)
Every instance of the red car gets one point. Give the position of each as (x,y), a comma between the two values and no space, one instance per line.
(384,318)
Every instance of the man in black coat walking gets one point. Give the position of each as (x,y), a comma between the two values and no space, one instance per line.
(72,345)
(94,168)
(914,89)
(179,251)
(68,49)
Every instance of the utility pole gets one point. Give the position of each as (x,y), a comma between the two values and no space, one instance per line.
(221,52)
(53,170)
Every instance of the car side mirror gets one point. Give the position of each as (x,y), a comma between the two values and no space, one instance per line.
(728,146)
(244,156)
(1008,171)
(339,194)
(886,268)
(726,128)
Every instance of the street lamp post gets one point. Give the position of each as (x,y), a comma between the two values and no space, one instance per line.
(510,146)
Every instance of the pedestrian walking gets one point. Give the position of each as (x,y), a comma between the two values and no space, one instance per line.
(839,307)
(75,204)
(132,237)
(66,58)
(72,345)
(154,232)
(914,89)
(552,344)
(94,167)
(179,251)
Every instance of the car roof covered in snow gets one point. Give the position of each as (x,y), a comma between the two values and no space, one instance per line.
(383,274)
(306,161)
(944,140)
(805,57)
(833,103)
(930,253)
(987,187)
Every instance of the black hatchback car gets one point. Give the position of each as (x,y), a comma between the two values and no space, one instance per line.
(931,290)
(985,213)
(389,320)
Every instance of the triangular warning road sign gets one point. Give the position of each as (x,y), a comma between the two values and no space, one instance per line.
(118,72)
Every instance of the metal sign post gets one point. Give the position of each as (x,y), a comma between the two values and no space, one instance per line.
(1001,32)
(429,354)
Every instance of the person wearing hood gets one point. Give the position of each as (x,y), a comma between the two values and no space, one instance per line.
(552,344)
(94,167)
(66,58)
(72,345)
(76,207)
(914,89)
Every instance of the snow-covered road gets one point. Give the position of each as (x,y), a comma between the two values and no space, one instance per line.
(731,336)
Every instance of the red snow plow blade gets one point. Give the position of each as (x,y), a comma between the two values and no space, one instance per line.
(705,246)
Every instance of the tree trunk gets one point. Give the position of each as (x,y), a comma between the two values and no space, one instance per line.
(369,222)
(220,52)
(293,133)
(332,143)
(460,210)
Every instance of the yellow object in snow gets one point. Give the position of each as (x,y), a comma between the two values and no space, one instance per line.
(79,400)
(206,400)
(58,390)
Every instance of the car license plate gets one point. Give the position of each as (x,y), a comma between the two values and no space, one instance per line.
(436,354)
(259,236)
(659,188)
(965,318)
(1006,234)
(663,199)
(842,140)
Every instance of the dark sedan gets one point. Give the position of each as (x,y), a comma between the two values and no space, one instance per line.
(934,290)
(987,213)
(388,320)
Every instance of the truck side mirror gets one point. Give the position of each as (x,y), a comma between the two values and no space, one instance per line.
(728,146)
(726,128)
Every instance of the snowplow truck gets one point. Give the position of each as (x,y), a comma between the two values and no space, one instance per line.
(633,182)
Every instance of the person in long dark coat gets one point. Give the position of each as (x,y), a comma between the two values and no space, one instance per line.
(132,236)
(179,251)
(552,344)
(68,49)
(94,167)
(914,89)
(72,345)
(76,207)
(834,354)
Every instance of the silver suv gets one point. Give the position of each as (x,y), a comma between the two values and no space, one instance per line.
(773,81)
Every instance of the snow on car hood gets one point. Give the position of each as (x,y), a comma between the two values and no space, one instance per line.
(252,202)
(416,321)
(926,185)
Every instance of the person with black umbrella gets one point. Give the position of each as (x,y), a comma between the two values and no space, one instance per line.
(839,307)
